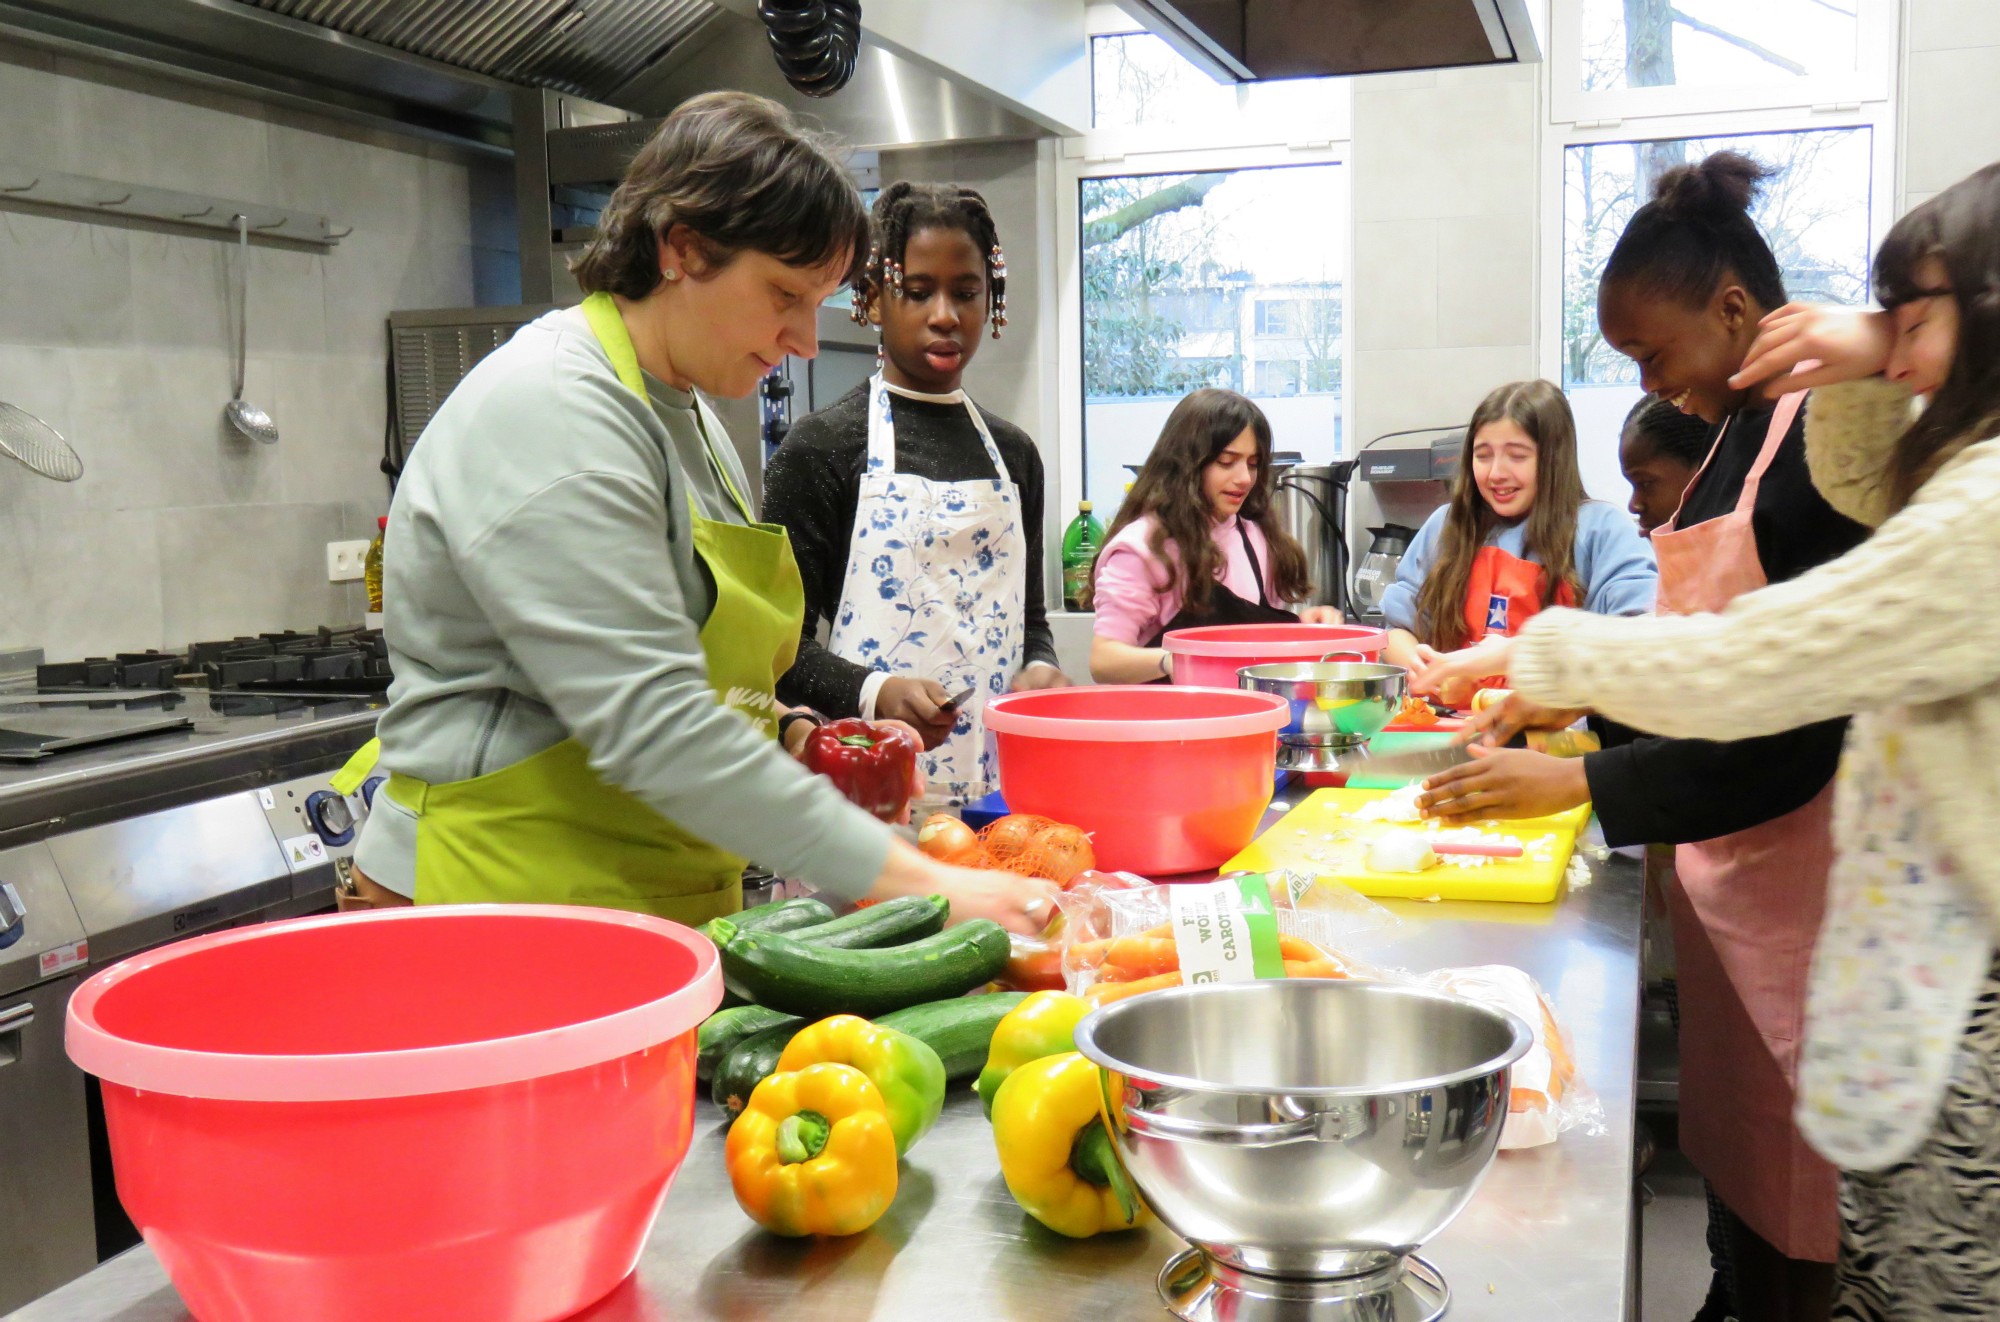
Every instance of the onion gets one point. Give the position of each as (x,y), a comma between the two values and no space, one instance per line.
(1038,847)
(949,840)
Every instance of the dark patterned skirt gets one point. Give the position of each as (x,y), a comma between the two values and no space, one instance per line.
(1920,1240)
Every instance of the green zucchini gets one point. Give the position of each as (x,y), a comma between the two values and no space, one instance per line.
(749,1063)
(960,1030)
(778,916)
(891,923)
(721,1031)
(788,974)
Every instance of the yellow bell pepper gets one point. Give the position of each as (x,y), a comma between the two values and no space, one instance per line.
(1055,1153)
(907,1072)
(1042,1025)
(813,1153)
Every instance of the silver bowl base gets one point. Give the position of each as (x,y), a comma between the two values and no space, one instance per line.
(1195,1289)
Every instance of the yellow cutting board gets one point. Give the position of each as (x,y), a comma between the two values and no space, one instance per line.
(1321,838)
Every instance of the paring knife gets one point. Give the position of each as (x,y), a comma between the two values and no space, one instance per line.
(960,699)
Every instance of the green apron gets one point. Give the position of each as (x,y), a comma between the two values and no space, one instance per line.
(549,829)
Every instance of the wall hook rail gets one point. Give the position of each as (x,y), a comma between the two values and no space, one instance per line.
(214,216)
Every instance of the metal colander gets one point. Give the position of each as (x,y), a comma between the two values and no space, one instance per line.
(28,440)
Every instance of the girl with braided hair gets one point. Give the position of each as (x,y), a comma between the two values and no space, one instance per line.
(915,515)
(1660,449)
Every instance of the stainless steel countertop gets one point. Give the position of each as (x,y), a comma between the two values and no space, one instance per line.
(1550,1235)
(238,742)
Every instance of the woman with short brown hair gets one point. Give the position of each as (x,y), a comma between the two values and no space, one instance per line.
(586,620)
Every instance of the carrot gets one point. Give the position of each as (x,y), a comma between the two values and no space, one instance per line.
(1294,947)
(1143,956)
(1314,968)
(1104,993)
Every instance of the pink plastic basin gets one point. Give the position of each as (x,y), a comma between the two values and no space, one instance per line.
(1209,657)
(1165,778)
(468,1112)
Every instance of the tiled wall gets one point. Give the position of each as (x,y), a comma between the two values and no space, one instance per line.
(1951,114)
(118,337)
(1444,201)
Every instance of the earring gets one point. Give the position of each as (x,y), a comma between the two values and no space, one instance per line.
(669,275)
(881,358)
(997,276)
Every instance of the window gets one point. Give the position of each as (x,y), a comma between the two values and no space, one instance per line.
(1202,240)
(1277,316)
(1231,278)
(1815,213)
(1138,79)
(1644,85)
(1651,57)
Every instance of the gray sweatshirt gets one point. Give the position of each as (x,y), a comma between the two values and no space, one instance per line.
(540,583)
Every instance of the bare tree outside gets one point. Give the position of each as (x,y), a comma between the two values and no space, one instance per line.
(1814,210)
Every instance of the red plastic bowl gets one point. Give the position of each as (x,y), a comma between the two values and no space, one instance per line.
(1166,778)
(467,1112)
(1209,657)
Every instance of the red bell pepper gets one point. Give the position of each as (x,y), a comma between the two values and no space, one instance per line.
(873,765)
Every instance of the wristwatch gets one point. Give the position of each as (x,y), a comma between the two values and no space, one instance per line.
(808,715)
(1166,664)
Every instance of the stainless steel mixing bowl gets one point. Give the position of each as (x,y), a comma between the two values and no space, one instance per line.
(1304,1127)
(1334,704)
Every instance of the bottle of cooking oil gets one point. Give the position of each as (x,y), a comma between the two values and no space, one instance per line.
(371,569)
(1080,544)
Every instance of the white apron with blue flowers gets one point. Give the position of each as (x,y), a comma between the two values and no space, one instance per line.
(936,588)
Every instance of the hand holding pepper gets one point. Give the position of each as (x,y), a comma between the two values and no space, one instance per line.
(873,763)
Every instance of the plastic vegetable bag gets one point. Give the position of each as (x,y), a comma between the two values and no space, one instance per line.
(1549,1095)
(1122,941)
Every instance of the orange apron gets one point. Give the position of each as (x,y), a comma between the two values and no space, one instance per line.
(1746,910)
(1504,593)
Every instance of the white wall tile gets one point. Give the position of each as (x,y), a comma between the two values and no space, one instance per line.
(235,569)
(65,282)
(163,136)
(1430,387)
(121,338)
(1485,281)
(1463,150)
(1394,298)
(1954,116)
(1953,24)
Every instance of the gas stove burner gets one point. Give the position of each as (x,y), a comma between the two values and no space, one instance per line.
(1197,1289)
(325,660)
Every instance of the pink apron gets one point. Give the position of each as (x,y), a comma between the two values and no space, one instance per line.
(1746,911)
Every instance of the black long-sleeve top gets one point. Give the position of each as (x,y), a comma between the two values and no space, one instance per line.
(1675,791)
(812,487)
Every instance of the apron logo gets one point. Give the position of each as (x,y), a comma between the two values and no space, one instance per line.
(1496,612)
(759,706)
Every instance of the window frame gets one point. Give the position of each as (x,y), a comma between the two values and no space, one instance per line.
(1748,117)
(1073,167)
(1142,150)
(1830,92)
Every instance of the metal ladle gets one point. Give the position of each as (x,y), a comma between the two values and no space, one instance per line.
(245,417)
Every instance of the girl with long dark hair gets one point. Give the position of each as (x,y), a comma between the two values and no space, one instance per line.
(1196,542)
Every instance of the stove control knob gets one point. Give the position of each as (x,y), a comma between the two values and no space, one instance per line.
(13,915)
(330,817)
(368,788)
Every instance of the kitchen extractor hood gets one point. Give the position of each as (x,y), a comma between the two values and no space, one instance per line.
(1251,40)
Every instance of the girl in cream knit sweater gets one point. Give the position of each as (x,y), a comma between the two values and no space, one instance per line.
(1900,1082)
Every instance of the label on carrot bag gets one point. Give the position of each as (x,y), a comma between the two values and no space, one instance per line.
(1226,931)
